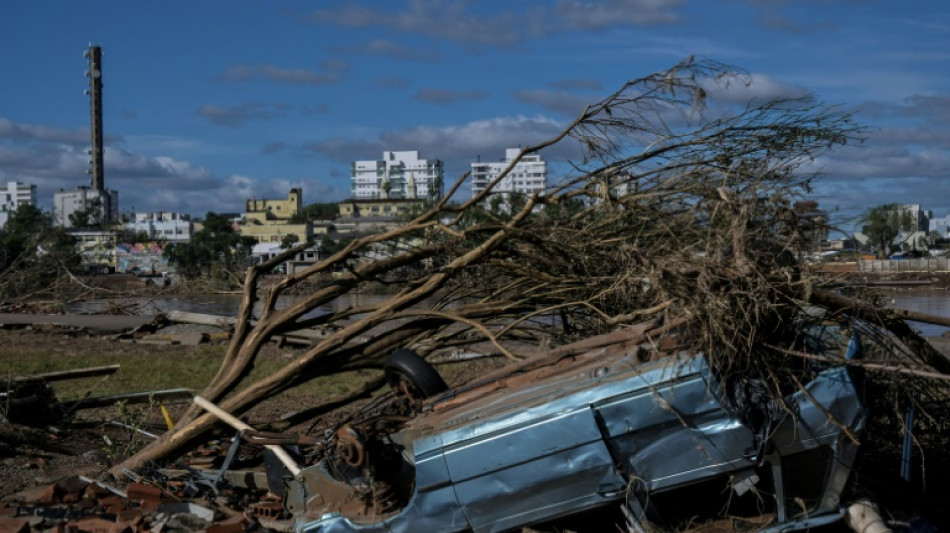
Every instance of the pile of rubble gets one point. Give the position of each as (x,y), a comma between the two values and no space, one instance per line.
(167,501)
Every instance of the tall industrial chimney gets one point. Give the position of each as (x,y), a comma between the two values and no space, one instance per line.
(95,107)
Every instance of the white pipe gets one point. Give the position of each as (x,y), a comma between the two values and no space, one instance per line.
(241,426)
(864,518)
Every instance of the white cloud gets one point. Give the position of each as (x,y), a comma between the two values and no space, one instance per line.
(457,145)
(36,155)
(757,88)
(35,132)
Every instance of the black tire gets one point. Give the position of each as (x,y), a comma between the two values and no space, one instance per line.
(408,368)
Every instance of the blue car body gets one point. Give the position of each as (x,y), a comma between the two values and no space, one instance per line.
(616,424)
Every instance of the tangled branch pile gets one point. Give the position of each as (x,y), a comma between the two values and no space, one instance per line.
(677,207)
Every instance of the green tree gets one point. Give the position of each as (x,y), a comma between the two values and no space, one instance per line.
(289,241)
(216,248)
(883,225)
(33,251)
(91,216)
(315,211)
(330,246)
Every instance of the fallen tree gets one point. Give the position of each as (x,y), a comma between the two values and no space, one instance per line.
(677,207)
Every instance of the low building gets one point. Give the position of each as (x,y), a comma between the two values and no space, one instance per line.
(162,226)
(275,233)
(385,208)
(373,215)
(271,221)
(15,195)
(305,259)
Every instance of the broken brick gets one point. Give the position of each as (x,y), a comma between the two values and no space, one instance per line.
(44,494)
(234,524)
(94,524)
(73,485)
(14,525)
(273,510)
(112,504)
(150,497)
(95,491)
(130,516)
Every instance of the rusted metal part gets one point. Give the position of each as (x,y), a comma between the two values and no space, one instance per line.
(263,438)
(350,446)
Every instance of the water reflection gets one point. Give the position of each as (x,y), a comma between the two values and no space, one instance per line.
(930,301)
(212,304)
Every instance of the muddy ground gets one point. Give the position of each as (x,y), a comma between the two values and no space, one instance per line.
(88,442)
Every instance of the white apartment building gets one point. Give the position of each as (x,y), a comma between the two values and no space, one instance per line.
(105,202)
(15,195)
(941,225)
(916,239)
(529,176)
(163,226)
(397,175)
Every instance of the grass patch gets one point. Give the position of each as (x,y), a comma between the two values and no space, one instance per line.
(150,367)
(147,367)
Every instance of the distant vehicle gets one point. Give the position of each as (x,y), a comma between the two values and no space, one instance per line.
(910,254)
(618,420)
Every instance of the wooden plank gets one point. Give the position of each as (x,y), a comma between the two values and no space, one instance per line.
(63,375)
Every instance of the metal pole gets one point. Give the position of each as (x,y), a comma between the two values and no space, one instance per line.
(908,451)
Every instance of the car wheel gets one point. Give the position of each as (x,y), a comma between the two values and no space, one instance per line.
(411,376)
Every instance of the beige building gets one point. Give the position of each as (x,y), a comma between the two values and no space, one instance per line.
(269,220)
(392,207)
(370,216)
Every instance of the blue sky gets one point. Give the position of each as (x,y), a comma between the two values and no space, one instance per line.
(210,103)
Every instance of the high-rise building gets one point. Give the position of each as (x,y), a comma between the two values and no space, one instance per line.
(15,195)
(398,175)
(96,206)
(529,176)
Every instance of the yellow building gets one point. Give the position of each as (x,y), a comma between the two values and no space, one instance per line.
(269,220)
(269,232)
(390,207)
(264,210)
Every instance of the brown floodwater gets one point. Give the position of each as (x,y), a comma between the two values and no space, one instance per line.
(930,301)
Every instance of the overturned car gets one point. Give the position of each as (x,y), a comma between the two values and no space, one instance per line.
(629,419)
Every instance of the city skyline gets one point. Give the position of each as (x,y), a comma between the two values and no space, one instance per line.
(207,105)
